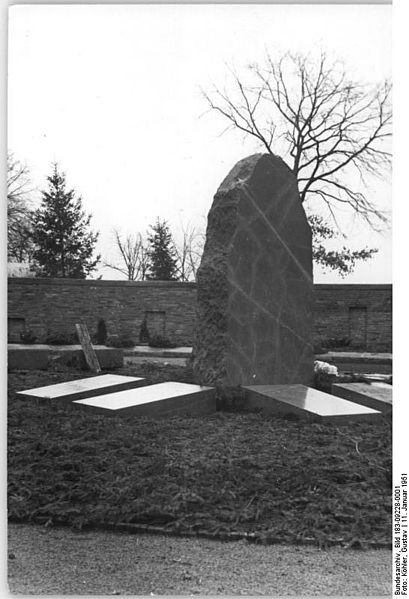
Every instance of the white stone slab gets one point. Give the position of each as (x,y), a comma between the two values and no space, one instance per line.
(163,397)
(305,401)
(88,387)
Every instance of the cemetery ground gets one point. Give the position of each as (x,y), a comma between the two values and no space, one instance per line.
(283,480)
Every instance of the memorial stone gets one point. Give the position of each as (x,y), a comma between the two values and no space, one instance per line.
(255,281)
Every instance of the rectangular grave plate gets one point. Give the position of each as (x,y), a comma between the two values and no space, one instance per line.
(156,400)
(306,402)
(82,388)
(373,395)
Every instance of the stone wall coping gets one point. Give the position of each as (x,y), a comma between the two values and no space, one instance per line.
(175,284)
(97,283)
(341,286)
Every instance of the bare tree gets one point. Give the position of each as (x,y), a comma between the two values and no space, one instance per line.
(326,123)
(19,211)
(134,255)
(188,252)
(332,131)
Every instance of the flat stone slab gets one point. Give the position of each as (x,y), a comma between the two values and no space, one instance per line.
(38,357)
(163,399)
(373,395)
(83,388)
(305,402)
(27,359)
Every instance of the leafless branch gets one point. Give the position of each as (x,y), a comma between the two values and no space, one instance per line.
(325,123)
(188,252)
(134,256)
(19,211)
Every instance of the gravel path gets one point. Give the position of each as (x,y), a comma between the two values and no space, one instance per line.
(60,561)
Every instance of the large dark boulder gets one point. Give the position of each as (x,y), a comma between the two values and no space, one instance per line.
(254,283)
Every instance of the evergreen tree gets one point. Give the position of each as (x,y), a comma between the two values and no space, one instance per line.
(64,242)
(162,254)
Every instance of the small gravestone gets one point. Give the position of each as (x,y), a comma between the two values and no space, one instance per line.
(254,284)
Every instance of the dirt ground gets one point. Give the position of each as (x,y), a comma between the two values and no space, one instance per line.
(60,561)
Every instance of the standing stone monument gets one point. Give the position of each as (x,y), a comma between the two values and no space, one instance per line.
(254,283)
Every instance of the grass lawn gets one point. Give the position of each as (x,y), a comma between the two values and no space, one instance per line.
(226,472)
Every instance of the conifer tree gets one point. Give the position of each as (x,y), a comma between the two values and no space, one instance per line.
(162,254)
(63,239)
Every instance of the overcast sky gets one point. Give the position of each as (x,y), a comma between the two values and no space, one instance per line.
(113,94)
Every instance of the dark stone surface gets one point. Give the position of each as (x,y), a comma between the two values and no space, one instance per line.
(255,281)
(110,357)
(27,359)
(38,357)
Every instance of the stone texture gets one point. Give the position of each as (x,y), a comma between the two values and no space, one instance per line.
(160,400)
(306,403)
(82,388)
(333,305)
(374,395)
(51,306)
(254,284)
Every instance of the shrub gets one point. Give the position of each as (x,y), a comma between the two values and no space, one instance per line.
(336,342)
(62,339)
(144,333)
(160,341)
(120,341)
(102,333)
(27,337)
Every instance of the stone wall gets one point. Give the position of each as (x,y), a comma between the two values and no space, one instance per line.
(50,306)
(362,313)
(54,305)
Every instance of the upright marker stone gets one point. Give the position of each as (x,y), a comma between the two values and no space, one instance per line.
(254,283)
